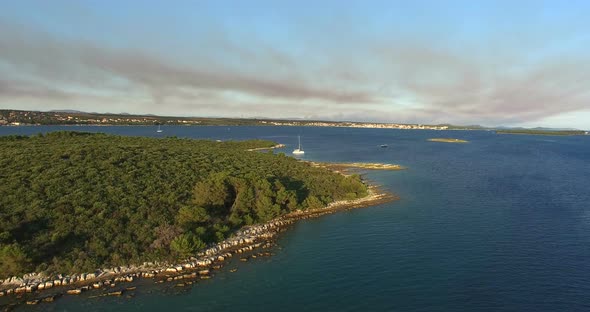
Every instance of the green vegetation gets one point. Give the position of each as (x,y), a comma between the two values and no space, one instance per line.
(541,132)
(82,118)
(74,202)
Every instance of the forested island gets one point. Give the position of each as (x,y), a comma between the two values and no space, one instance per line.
(73,202)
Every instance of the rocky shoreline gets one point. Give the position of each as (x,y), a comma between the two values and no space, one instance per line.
(340,167)
(266,148)
(35,288)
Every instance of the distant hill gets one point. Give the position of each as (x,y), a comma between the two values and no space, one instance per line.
(68,111)
(537,131)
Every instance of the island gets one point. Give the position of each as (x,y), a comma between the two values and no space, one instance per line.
(448,140)
(83,211)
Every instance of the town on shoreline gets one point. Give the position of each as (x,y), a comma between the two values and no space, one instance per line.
(12,117)
(23,118)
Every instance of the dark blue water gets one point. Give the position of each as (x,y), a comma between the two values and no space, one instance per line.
(499,224)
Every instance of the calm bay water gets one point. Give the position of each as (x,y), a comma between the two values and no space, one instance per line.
(499,224)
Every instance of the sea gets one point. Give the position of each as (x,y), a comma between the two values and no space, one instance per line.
(501,223)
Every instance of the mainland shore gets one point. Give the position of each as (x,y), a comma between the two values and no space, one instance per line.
(246,243)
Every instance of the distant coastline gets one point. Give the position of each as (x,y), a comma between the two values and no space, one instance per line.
(543,132)
(12,117)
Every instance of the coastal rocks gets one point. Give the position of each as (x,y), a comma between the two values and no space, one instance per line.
(115,293)
(50,298)
(20,290)
(204,263)
(76,291)
(242,242)
(33,302)
(189,276)
(14,281)
(125,278)
(148,274)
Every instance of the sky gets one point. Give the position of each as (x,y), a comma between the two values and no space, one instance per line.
(492,63)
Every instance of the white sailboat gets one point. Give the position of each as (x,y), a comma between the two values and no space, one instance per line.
(298,151)
(159,130)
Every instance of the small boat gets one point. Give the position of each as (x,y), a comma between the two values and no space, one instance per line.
(159,130)
(298,151)
(383,145)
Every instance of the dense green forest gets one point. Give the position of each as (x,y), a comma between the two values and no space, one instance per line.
(74,202)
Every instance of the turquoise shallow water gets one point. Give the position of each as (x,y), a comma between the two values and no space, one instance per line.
(499,224)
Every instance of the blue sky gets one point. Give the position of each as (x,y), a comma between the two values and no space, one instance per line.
(517,63)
